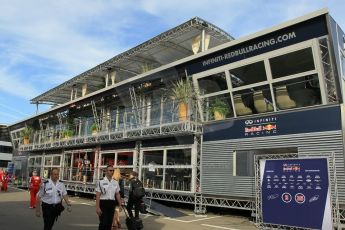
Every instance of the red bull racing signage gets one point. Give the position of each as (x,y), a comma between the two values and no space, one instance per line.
(294,122)
(260,127)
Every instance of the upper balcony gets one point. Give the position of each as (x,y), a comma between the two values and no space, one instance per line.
(119,124)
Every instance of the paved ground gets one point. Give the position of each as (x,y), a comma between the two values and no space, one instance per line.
(15,214)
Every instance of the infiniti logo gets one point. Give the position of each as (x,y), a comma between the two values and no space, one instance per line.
(249,122)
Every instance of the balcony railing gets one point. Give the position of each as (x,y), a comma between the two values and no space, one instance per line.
(157,119)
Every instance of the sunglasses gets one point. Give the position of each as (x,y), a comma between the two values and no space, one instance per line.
(111,170)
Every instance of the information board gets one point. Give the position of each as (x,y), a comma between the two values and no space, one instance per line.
(296,192)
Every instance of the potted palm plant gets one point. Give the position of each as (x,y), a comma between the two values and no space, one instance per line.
(67,133)
(219,109)
(94,129)
(26,133)
(182,91)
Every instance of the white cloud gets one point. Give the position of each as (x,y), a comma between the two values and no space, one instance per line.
(11,109)
(9,115)
(13,85)
(224,14)
(59,36)
(239,18)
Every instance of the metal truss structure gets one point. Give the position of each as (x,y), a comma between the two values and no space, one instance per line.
(223,202)
(170,129)
(80,187)
(199,206)
(201,200)
(342,214)
(333,184)
(327,69)
(175,196)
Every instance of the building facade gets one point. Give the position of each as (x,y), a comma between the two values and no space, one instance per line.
(5,147)
(278,91)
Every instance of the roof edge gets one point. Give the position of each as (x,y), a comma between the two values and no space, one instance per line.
(107,64)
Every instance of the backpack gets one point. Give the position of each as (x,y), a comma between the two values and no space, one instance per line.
(138,190)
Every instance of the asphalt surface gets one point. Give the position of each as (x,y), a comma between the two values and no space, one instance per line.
(15,214)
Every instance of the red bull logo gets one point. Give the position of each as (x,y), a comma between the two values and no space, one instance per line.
(258,130)
(292,169)
(269,127)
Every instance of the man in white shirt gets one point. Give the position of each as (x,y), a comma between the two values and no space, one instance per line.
(107,193)
(51,194)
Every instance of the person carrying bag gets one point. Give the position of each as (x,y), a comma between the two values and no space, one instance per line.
(136,193)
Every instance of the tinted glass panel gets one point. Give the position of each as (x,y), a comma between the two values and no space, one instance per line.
(212,84)
(248,74)
(178,179)
(254,100)
(179,157)
(153,157)
(56,160)
(298,92)
(292,63)
(152,178)
(125,158)
(218,107)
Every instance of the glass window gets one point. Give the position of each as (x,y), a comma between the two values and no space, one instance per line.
(244,162)
(67,167)
(213,83)
(5,149)
(87,167)
(38,161)
(262,99)
(56,160)
(31,161)
(248,74)
(254,100)
(124,158)
(153,112)
(68,157)
(153,177)
(108,159)
(46,172)
(48,161)
(218,107)
(179,157)
(292,63)
(178,179)
(77,166)
(153,157)
(298,92)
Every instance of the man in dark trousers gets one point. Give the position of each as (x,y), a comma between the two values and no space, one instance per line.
(134,199)
(107,193)
(51,194)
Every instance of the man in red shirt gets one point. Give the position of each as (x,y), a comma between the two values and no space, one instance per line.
(34,186)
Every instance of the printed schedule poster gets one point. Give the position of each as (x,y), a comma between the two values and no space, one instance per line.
(295,192)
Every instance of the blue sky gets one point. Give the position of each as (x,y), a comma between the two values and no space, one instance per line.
(44,43)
